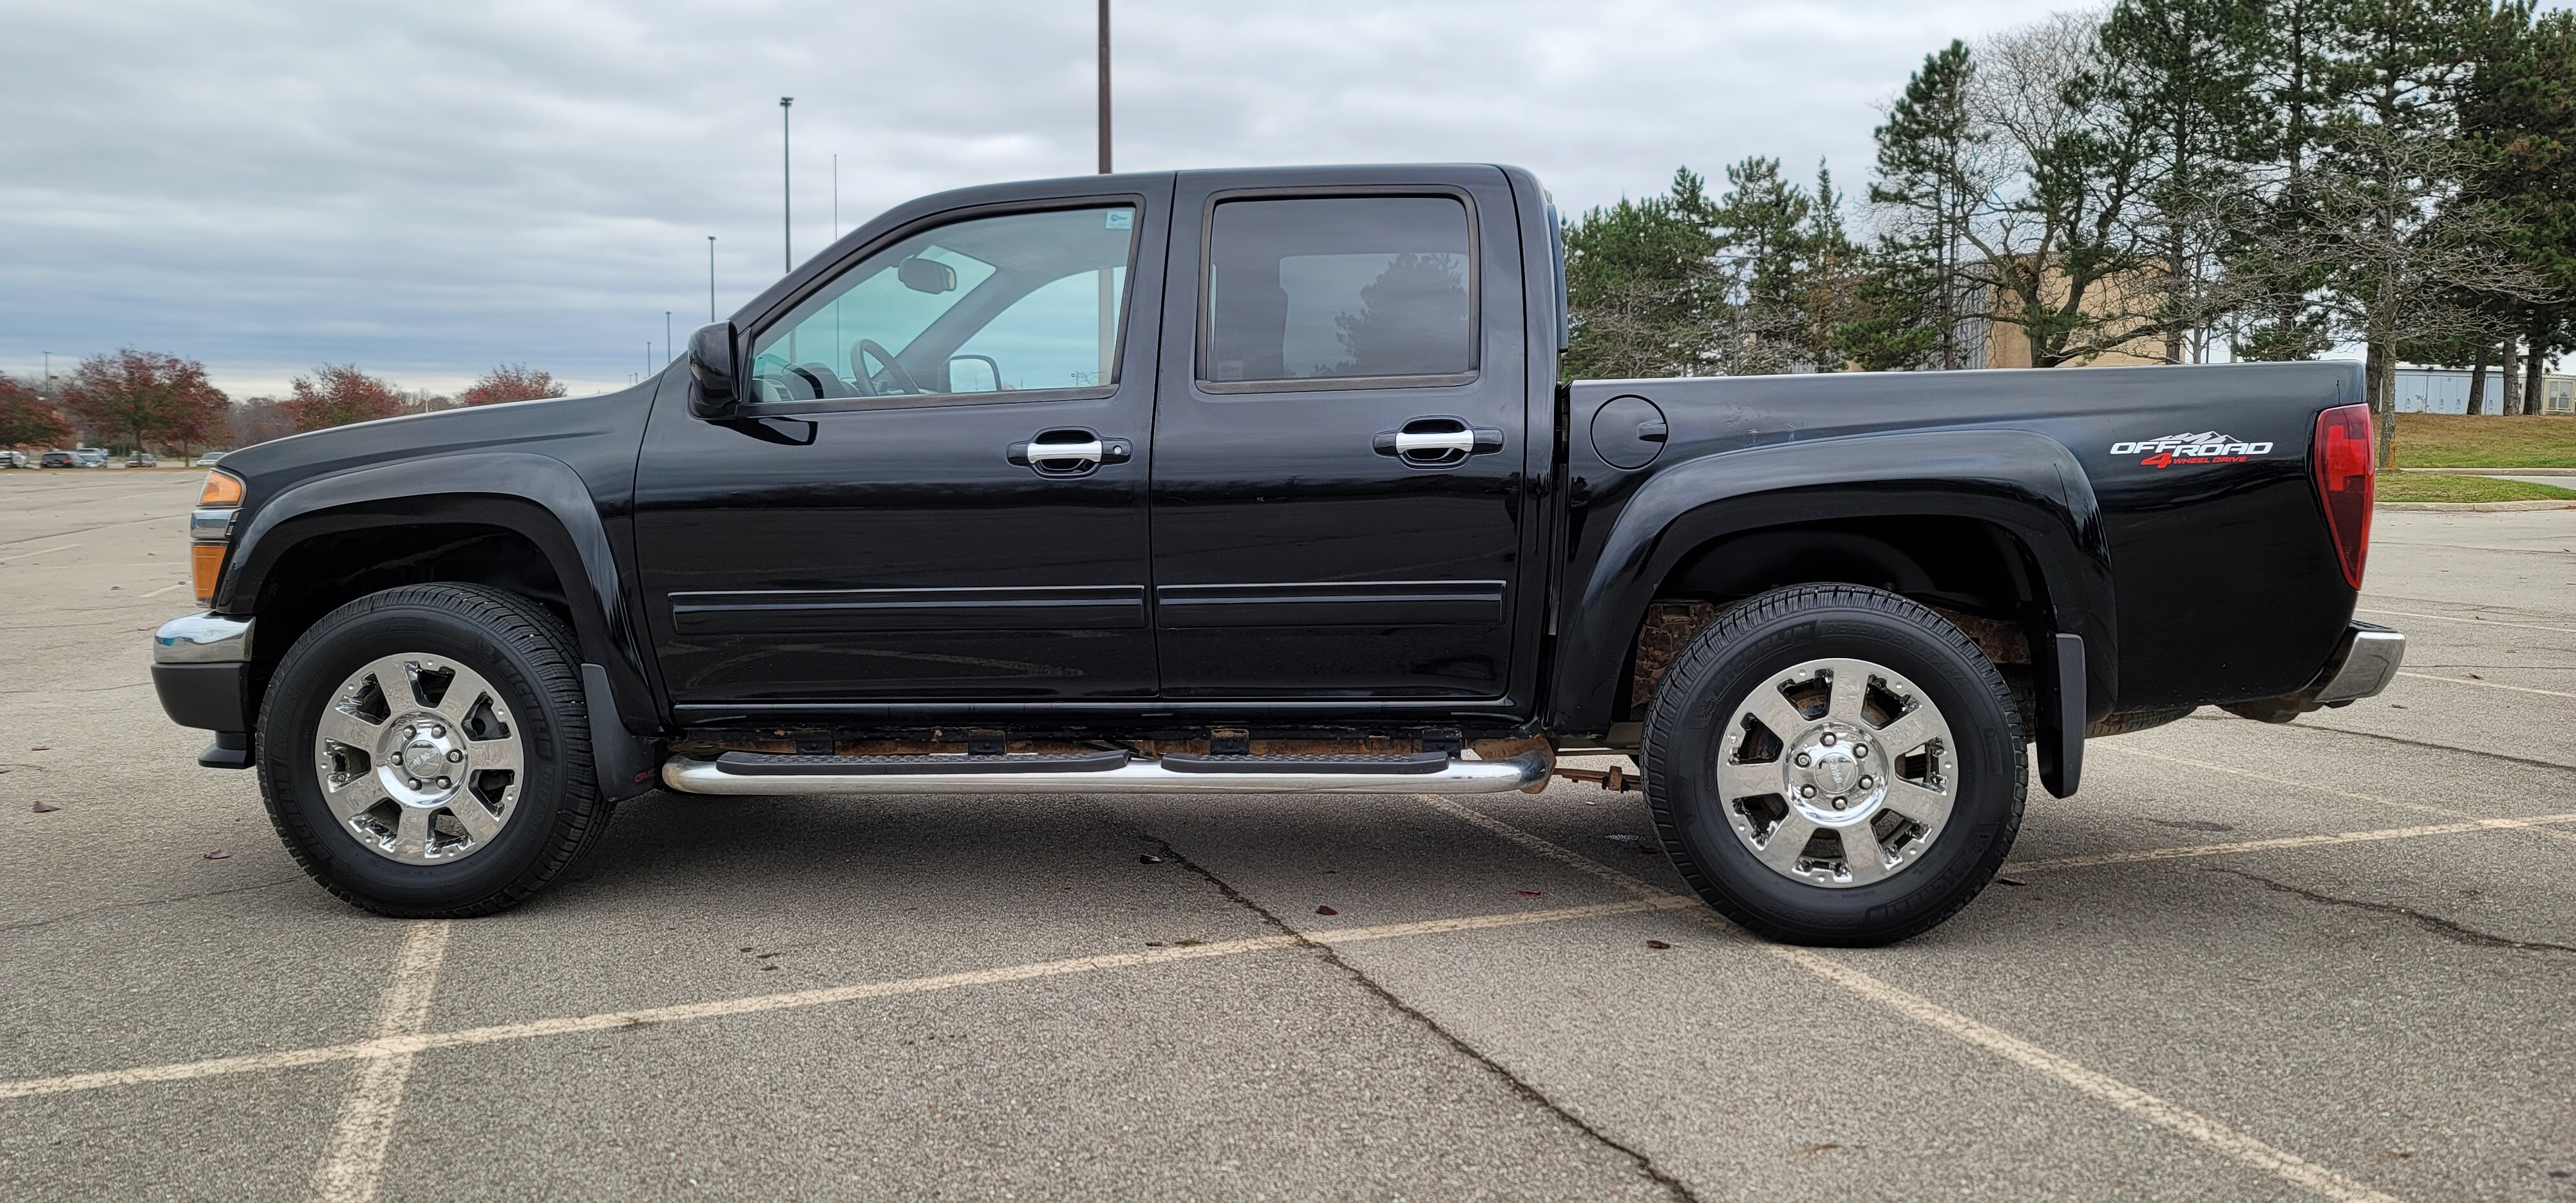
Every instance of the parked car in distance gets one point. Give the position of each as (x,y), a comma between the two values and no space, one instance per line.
(210,458)
(142,459)
(1263,481)
(91,457)
(14,459)
(63,459)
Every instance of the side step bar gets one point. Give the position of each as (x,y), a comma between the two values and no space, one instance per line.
(1102,773)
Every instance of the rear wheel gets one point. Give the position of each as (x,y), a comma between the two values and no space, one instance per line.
(1835,765)
(425,751)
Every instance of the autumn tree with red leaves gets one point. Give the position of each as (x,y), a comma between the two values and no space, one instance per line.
(337,394)
(141,397)
(512,382)
(28,420)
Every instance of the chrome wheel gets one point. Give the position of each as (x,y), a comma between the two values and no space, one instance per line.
(1837,773)
(419,759)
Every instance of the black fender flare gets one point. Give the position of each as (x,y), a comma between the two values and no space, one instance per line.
(538,496)
(2029,485)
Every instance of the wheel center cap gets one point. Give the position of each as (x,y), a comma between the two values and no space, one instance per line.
(424,758)
(1836,769)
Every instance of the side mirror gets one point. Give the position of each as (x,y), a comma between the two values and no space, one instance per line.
(926,275)
(990,381)
(713,390)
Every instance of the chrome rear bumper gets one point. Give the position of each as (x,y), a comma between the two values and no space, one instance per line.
(2363,664)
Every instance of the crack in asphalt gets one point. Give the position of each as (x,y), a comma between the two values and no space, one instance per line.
(2400,739)
(2432,923)
(140,903)
(1645,1164)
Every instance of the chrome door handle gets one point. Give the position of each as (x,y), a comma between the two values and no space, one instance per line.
(1459,441)
(1060,457)
(1438,442)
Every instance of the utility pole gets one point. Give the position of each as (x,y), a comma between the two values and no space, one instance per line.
(1104,87)
(787,194)
(711,277)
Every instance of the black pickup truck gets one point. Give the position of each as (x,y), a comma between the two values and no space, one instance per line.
(1262,481)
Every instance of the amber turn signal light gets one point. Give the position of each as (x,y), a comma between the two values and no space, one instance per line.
(205,563)
(221,489)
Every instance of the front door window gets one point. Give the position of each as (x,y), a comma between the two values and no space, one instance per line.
(1024,303)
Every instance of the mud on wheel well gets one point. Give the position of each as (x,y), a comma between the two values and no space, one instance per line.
(1973,573)
(327,571)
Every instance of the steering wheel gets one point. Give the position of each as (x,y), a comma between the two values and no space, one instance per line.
(894,368)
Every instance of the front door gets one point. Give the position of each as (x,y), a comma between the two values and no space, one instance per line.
(938,493)
(1340,442)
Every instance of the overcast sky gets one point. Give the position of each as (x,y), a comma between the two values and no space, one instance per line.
(430,189)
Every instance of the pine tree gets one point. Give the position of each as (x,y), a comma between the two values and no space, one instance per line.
(1926,188)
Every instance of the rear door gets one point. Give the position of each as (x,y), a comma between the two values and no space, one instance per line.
(1340,443)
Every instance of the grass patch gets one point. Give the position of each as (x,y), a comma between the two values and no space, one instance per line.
(2460,441)
(2440,486)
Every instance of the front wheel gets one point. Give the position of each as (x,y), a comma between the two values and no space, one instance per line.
(1834,765)
(425,751)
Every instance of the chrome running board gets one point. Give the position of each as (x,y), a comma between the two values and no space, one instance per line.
(1111,773)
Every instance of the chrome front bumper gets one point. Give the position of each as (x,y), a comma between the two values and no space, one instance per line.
(202,639)
(2362,665)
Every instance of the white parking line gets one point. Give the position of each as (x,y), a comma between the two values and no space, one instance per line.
(2486,684)
(2484,622)
(2291,841)
(388,1046)
(2172,1117)
(44,552)
(166,588)
(354,1162)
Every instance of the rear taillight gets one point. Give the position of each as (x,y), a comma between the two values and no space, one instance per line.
(2342,457)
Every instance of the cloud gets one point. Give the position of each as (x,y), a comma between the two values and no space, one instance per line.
(428,189)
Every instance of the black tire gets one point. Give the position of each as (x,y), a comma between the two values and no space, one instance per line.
(524,652)
(1698,696)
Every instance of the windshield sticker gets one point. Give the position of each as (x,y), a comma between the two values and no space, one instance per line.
(2206,447)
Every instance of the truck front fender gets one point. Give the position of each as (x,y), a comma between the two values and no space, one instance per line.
(2027,484)
(537,496)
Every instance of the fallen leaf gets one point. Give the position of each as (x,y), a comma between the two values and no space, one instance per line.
(1819,1148)
(2011,881)
(1657,944)
(42,748)
(1326,910)
(115,587)
(2476,677)
(2395,706)
(219,854)
(1529,893)
(1149,860)
(45,808)
(1187,943)
(1153,944)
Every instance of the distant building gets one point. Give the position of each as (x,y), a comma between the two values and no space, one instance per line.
(2446,391)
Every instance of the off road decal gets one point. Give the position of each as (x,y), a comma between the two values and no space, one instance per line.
(2206,447)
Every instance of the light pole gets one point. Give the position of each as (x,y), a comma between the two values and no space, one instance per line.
(668,347)
(711,277)
(786,194)
(1104,87)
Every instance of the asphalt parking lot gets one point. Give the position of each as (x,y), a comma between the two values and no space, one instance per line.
(2331,959)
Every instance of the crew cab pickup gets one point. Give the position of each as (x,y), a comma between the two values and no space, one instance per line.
(1263,481)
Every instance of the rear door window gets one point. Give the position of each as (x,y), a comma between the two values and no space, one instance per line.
(1355,290)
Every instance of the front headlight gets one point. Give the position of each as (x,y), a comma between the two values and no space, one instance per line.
(210,529)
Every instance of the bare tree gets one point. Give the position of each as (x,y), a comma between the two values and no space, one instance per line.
(2396,250)
(2056,179)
